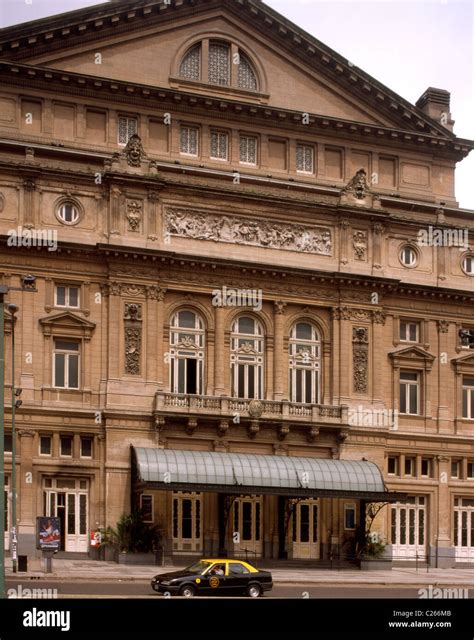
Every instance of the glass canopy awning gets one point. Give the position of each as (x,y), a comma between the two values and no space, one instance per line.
(238,473)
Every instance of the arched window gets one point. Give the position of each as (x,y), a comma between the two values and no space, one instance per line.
(191,64)
(220,66)
(187,353)
(247,344)
(219,63)
(246,75)
(305,364)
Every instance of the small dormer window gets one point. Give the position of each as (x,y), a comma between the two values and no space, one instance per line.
(219,63)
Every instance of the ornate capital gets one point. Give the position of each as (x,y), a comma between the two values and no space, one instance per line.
(379,316)
(154,293)
(279,307)
(443,326)
(25,433)
(29,184)
(344,223)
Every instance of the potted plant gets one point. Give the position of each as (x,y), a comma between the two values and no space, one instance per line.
(109,547)
(137,541)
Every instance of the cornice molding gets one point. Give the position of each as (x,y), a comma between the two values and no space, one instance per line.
(104,21)
(49,79)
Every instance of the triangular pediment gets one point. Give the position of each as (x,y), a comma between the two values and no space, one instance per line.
(412,353)
(464,363)
(140,43)
(67,323)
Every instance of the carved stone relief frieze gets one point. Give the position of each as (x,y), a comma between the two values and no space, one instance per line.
(201,225)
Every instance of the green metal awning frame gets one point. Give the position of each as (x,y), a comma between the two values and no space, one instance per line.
(244,473)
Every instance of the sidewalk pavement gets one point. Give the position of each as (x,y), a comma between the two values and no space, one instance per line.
(90,570)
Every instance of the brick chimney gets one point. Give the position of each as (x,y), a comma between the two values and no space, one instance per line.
(435,103)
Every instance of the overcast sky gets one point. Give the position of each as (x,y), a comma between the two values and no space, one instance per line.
(408,45)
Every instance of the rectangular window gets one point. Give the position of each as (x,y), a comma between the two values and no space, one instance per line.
(219,145)
(392,466)
(45,446)
(65,446)
(409,331)
(468,398)
(248,150)
(426,467)
(349,516)
(409,466)
(409,393)
(470,469)
(146,506)
(466,337)
(127,127)
(456,469)
(66,296)
(86,447)
(66,364)
(304,158)
(8,443)
(189,141)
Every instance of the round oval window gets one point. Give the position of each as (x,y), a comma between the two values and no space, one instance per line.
(68,213)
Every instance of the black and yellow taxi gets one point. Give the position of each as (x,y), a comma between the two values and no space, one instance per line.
(212,577)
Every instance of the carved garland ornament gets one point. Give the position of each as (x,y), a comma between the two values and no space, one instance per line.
(205,226)
(360,359)
(133,338)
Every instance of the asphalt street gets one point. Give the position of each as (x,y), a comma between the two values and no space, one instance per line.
(142,589)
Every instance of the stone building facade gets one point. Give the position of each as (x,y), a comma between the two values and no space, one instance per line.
(242,244)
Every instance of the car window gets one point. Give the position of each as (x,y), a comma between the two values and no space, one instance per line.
(199,567)
(235,568)
(217,569)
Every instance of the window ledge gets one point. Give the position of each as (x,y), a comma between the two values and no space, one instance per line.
(228,91)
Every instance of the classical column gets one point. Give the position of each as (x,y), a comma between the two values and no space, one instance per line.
(442,366)
(219,358)
(443,554)
(151,359)
(153,200)
(114,210)
(26,490)
(29,190)
(278,349)
(114,330)
(378,318)
(336,357)
(344,226)
(377,236)
(160,347)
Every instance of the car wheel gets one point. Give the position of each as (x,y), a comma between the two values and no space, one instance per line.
(188,591)
(254,591)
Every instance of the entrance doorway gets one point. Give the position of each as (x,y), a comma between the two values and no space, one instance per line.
(187,514)
(68,500)
(247,527)
(464,529)
(408,524)
(305,530)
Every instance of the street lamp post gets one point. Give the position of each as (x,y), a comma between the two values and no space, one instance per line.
(12,308)
(3,292)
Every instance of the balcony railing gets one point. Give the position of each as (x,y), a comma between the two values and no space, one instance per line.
(252,409)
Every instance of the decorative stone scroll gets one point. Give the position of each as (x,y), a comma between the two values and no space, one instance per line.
(134,215)
(201,225)
(360,359)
